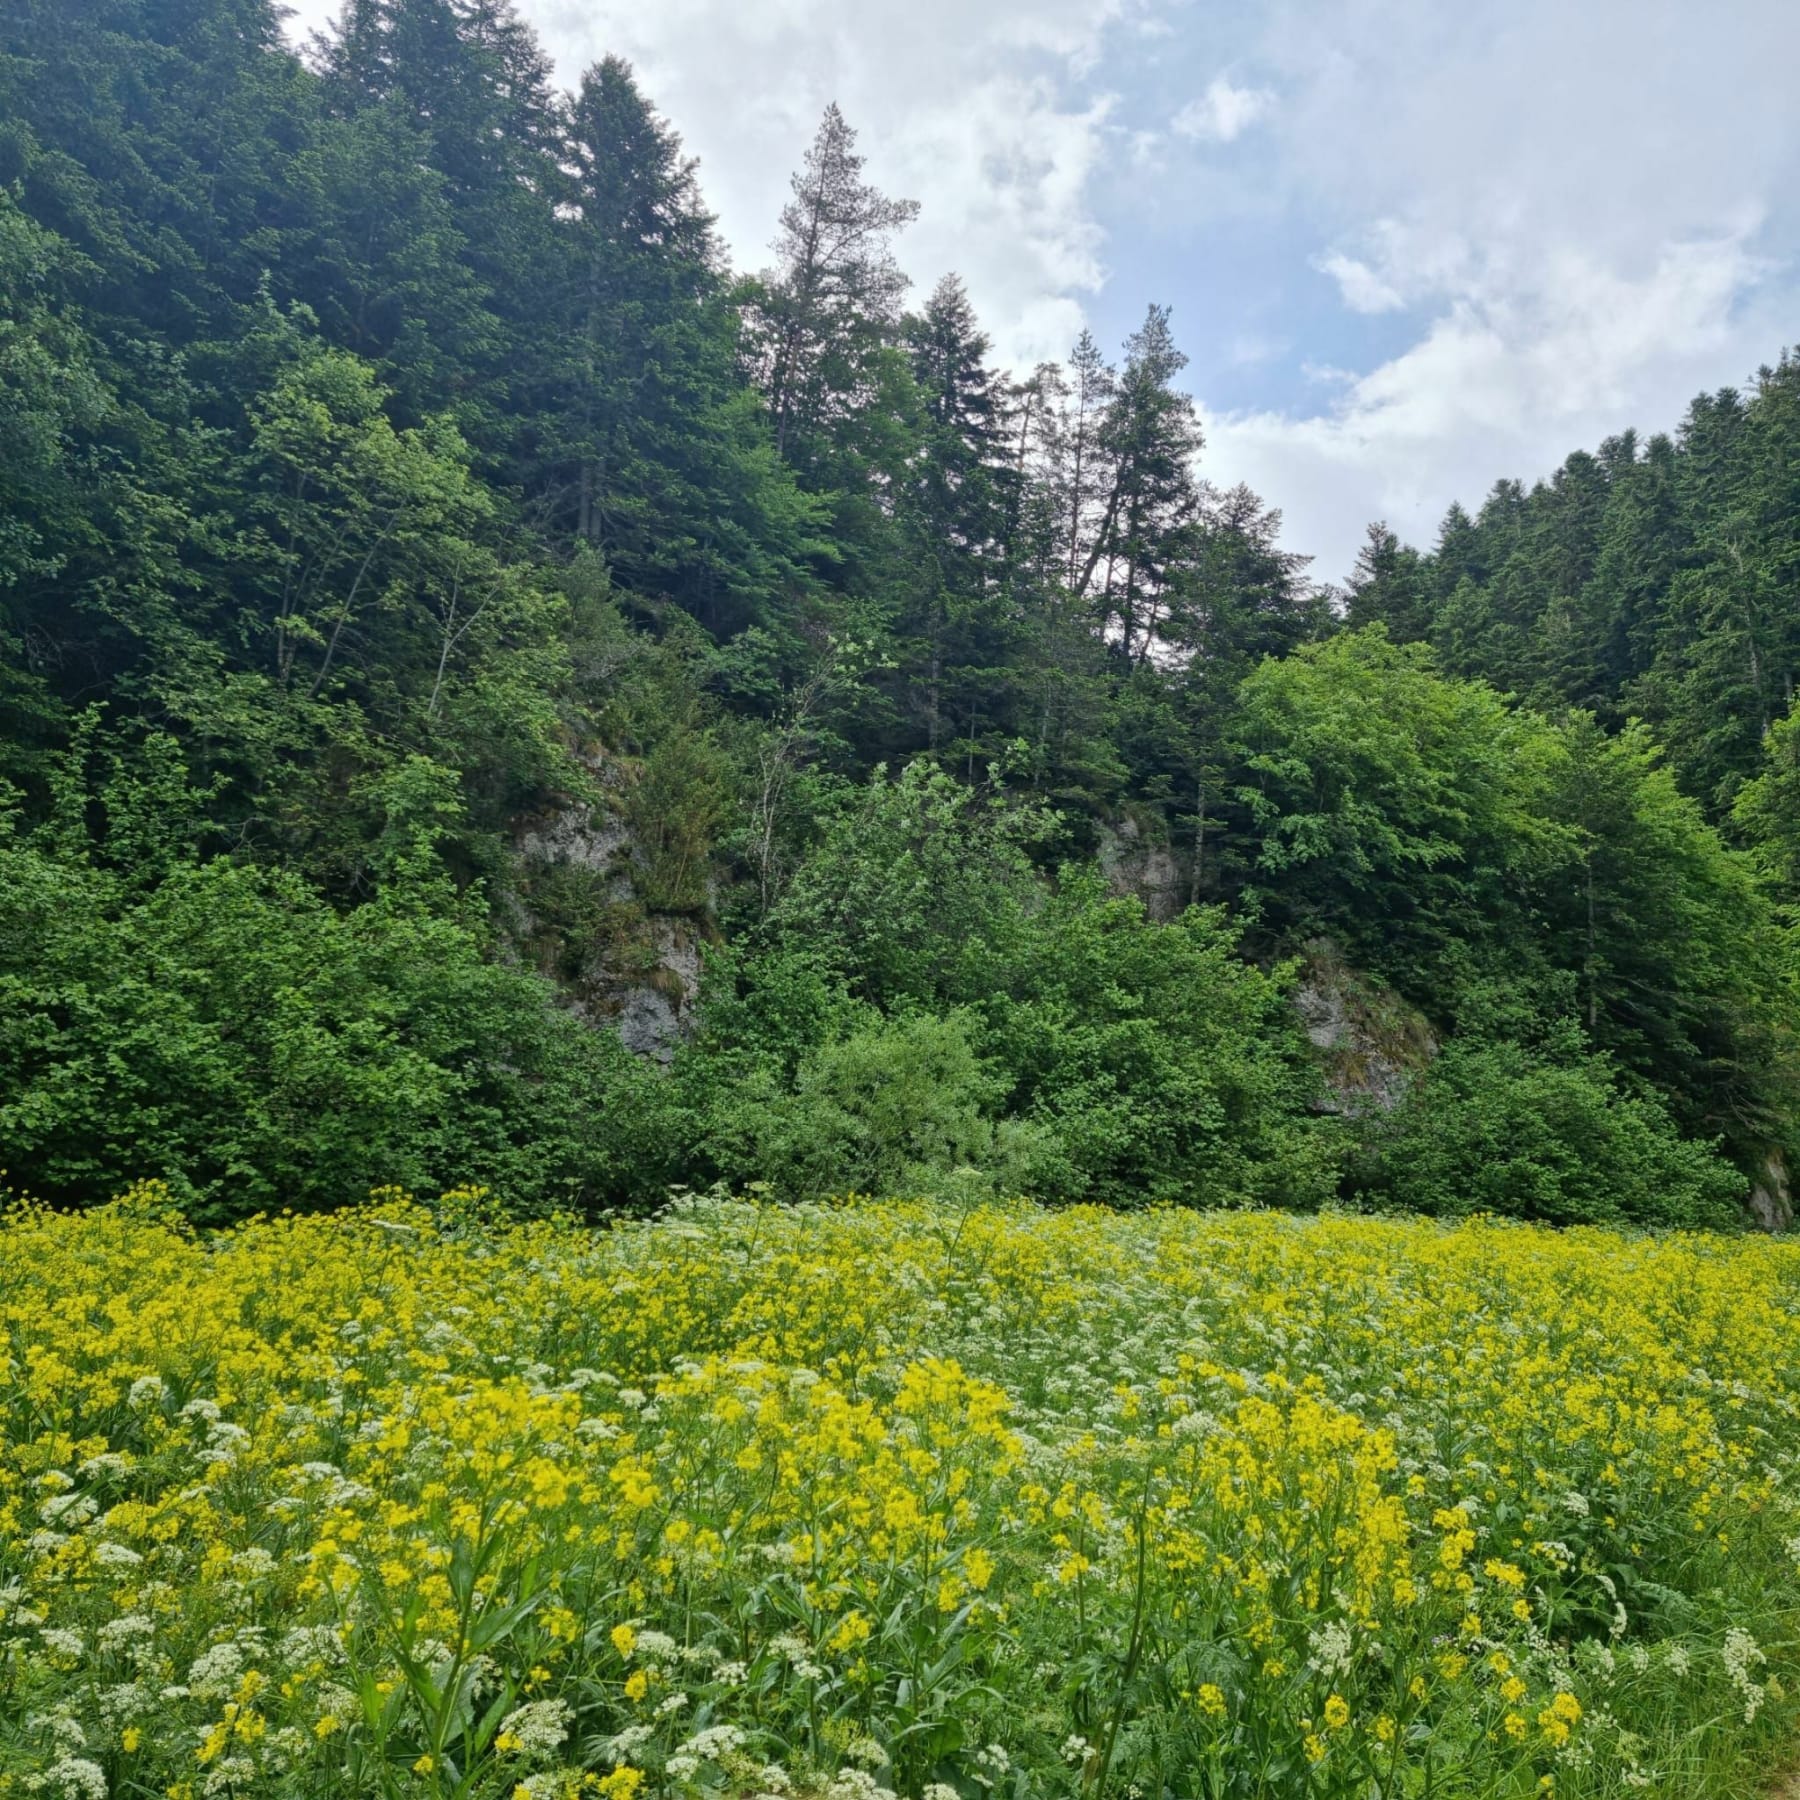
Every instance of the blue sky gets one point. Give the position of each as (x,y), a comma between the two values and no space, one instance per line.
(1412,245)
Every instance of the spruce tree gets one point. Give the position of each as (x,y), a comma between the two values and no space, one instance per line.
(834,297)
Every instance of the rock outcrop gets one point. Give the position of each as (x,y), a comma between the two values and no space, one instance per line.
(1771,1194)
(1370,1043)
(1137,865)
(576,911)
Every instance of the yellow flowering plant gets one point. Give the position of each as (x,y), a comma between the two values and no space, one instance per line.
(836,1500)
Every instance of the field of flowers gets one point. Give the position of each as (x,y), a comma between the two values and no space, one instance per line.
(958,1504)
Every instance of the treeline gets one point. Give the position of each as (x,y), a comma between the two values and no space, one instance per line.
(388,456)
(1653,579)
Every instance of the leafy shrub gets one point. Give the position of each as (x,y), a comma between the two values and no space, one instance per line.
(1166,1067)
(1131,1061)
(222,1027)
(1509,1129)
(899,1106)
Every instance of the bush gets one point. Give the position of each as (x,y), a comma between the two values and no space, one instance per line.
(1128,1061)
(899,1106)
(1530,1133)
(1165,1066)
(222,1028)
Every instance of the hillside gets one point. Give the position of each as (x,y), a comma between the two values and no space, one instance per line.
(489,692)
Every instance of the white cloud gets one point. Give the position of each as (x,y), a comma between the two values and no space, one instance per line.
(1224,112)
(1504,383)
(1515,176)
(1363,290)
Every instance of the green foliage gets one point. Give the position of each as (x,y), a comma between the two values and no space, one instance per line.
(1449,840)
(1147,1061)
(917,890)
(1766,812)
(1503,1128)
(389,458)
(222,1026)
(899,1106)
(1382,802)
(1680,966)
(1166,1067)
(1645,579)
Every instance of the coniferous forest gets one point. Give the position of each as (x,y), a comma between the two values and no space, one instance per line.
(491,693)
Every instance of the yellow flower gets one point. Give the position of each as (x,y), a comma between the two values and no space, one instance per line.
(130,1738)
(1211,1700)
(1337,1712)
(637,1684)
(624,1640)
(1559,1718)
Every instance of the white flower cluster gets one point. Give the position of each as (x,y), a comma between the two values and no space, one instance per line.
(120,1633)
(1333,1649)
(545,1786)
(798,1654)
(74,1777)
(1740,1654)
(773,1782)
(215,1672)
(625,1746)
(538,1728)
(856,1784)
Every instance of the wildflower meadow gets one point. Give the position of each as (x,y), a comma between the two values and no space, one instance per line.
(949,1503)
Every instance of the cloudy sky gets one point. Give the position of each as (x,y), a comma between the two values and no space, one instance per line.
(1412,245)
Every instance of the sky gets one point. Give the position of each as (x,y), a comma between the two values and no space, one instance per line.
(1412,246)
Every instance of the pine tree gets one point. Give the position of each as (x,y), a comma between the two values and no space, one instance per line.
(955,509)
(1389,584)
(834,296)
(1149,439)
(466,83)
(650,450)
(1086,474)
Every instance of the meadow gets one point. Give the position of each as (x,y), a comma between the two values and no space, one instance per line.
(952,1503)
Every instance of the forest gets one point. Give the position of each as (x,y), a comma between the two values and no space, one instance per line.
(490,693)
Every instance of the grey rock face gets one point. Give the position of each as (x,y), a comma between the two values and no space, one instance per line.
(1135,866)
(583,835)
(1771,1194)
(1370,1043)
(576,912)
(655,1015)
